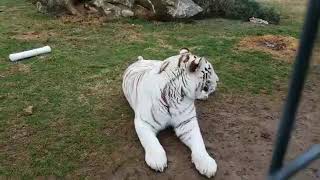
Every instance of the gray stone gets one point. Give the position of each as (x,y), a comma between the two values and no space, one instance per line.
(56,6)
(184,9)
(127,13)
(112,9)
(40,7)
(151,9)
(171,8)
(128,3)
(143,13)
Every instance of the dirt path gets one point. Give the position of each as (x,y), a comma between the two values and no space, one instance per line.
(239,132)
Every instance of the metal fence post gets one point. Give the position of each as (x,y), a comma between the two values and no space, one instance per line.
(301,66)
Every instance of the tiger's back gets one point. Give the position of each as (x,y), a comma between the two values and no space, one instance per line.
(133,78)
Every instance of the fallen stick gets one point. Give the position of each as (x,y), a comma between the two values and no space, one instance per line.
(30,53)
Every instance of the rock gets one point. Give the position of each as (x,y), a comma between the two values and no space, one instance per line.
(165,10)
(171,9)
(128,3)
(41,8)
(149,4)
(210,6)
(258,21)
(90,9)
(107,8)
(143,13)
(28,110)
(184,9)
(127,13)
(156,9)
(151,9)
(57,6)
(114,8)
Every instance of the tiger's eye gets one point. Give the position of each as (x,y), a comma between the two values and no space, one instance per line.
(206,89)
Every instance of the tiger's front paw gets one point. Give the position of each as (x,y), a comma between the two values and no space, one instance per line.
(205,164)
(156,159)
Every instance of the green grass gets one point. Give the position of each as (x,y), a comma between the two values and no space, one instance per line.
(76,92)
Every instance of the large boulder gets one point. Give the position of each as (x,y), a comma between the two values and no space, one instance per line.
(157,9)
(162,9)
(184,9)
(171,9)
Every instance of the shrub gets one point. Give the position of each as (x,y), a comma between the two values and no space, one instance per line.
(238,9)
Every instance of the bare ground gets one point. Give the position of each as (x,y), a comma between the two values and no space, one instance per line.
(280,47)
(239,132)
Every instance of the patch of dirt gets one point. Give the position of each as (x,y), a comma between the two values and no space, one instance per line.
(18,138)
(238,131)
(129,33)
(162,41)
(88,20)
(15,69)
(280,47)
(34,35)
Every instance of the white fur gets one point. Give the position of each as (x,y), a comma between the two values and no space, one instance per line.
(162,94)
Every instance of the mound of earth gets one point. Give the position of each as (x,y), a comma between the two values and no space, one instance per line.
(280,47)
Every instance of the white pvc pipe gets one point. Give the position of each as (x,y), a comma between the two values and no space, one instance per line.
(30,53)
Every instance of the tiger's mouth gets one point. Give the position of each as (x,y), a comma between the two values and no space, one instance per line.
(205,93)
(209,88)
(203,97)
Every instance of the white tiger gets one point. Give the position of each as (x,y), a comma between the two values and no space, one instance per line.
(162,94)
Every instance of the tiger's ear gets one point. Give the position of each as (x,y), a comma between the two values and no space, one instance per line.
(184,58)
(140,58)
(184,50)
(194,64)
(164,66)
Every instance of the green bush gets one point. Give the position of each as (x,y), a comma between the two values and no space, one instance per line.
(238,9)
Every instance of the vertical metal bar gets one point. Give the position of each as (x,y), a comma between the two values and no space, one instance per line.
(301,66)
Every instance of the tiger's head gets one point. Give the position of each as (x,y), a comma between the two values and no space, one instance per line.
(201,70)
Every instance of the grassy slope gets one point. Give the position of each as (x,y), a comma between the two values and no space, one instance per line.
(76,90)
